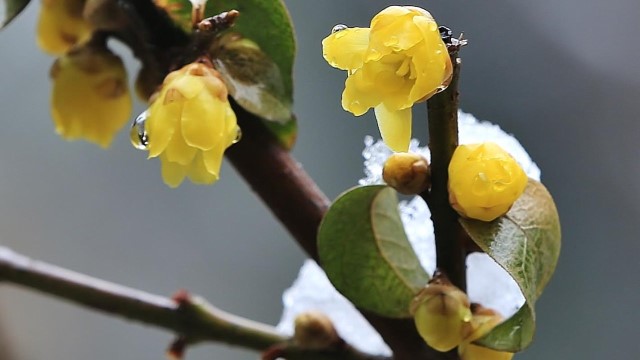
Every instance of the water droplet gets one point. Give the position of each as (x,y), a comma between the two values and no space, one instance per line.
(138,134)
(339,27)
(441,88)
(238,135)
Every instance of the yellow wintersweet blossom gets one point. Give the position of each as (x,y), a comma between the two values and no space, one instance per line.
(484,181)
(190,125)
(61,25)
(90,98)
(483,321)
(442,315)
(400,60)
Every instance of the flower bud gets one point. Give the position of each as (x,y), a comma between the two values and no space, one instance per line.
(314,330)
(474,352)
(408,173)
(190,124)
(484,181)
(483,321)
(90,98)
(61,25)
(441,314)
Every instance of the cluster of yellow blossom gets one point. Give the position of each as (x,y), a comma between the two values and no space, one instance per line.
(398,61)
(484,181)
(445,319)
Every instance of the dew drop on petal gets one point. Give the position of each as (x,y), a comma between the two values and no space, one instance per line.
(138,135)
(339,27)
(238,135)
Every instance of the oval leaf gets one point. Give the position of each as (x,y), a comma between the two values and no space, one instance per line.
(365,252)
(526,243)
(10,9)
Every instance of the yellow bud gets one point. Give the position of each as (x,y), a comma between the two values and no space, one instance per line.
(474,352)
(483,321)
(484,181)
(61,25)
(190,124)
(442,315)
(90,98)
(408,173)
(314,330)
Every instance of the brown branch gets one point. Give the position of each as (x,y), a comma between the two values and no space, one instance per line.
(191,318)
(443,139)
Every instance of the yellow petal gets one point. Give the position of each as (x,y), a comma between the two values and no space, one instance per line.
(359,94)
(345,49)
(172,173)
(188,85)
(203,121)
(161,125)
(213,159)
(178,150)
(395,127)
(198,172)
(432,68)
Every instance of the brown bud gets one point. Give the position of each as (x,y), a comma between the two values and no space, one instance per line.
(408,173)
(314,330)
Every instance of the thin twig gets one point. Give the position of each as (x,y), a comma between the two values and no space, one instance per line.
(190,317)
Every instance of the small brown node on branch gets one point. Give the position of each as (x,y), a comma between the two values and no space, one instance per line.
(177,349)
(182,297)
(218,22)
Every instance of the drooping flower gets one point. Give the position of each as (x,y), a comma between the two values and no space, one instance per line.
(483,321)
(484,181)
(400,60)
(61,25)
(190,125)
(441,314)
(90,98)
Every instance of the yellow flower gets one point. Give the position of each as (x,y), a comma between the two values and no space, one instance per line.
(90,98)
(190,125)
(442,316)
(484,320)
(400,60)
(61,25)
(484,181)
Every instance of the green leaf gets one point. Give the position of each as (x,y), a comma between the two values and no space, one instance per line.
(526,243)
(252,78)
(365,252)
(10,9)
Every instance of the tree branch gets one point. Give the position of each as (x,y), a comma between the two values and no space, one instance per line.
(191,318)
(443,140)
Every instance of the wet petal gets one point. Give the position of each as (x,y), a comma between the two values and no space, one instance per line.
(213,159)
(359,94)
(203,121)
(433,70)
(346,49)
(162,125)
(198,172)
(188,85)
(178,151)
(172,173)
(395,127)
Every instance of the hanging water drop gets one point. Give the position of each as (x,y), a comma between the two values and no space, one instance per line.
(138,134)
(238,135)
(339,27)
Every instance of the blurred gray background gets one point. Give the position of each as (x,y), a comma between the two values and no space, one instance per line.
(564,76)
